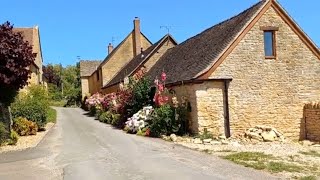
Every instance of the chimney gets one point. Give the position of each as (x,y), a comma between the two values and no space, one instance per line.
(136,36)
(110,48)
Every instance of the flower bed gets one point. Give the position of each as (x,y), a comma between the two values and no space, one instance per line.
(136,110)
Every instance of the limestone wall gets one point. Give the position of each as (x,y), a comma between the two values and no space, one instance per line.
(207,106)
(84,86)
(121,57)
(312,120)
(270,91)
(157,55)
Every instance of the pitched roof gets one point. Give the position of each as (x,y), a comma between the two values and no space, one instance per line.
(87,67)
(119,45)
(27,34)
(137,62)
(188,59)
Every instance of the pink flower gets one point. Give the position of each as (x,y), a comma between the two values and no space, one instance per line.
(163,76)
(160,87)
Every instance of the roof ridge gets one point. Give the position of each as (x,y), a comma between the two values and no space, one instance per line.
(197,53)
(227,20)
(115,79)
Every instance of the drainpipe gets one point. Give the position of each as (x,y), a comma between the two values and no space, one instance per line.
(226,99)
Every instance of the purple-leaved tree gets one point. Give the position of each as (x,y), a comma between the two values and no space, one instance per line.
(16,56)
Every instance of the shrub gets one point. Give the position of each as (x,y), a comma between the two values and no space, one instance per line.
(24,127)
(106,117)
(3,133)
(92,110)
(33,105)
(51,115)
(163,121)
(116,120)
(13,138)
(140,95)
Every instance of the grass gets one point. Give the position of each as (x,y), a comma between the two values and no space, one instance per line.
(311,153)
(226,150)
(52,115)
(276,167)
(57,103)
(261,161)
(308,178)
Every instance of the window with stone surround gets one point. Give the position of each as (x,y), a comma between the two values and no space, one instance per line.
(269,37)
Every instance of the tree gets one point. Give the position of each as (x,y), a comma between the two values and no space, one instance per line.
(15,57)
(72,84)
(51,74)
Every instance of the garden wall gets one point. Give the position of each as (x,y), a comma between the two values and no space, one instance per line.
(312,121)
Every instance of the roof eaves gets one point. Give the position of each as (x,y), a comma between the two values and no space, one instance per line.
(200,74)
(114,50)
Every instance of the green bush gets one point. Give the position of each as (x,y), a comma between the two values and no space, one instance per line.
(106,117)
(33,105)
(116,120)
(51,115)
(141,93)
(167,120)
(13,138)
(3,133)
(24,127)
(92,111)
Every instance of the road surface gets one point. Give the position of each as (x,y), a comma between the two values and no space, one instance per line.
(81,148)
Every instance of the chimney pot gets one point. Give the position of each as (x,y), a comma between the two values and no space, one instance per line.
(110,48)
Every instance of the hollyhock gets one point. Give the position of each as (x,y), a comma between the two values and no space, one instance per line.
(161,87)
(163,76)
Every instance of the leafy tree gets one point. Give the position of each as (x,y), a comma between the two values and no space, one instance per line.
(51,73)
(15,57)
(71,84)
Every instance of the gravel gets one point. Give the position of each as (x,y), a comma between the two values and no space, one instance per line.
(25,142)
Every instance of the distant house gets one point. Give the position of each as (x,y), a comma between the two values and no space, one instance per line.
(87,68)
(32,35)
(145,59)
(256,68)
(131,46)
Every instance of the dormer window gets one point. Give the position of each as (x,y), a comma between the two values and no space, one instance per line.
(269,38)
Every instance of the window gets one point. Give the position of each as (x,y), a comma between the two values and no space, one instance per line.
(269,44)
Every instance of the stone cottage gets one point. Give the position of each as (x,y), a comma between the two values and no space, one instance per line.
(145,59)
(256,68)
(32,35)
(87,68)
(131,46)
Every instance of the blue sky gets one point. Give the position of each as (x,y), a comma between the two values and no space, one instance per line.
(84,28)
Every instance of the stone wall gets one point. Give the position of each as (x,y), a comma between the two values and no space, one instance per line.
(148,64)
(312,121)
(207,106)
(270,91)
(120,57)
(36,47)
(84,86)
(157,55)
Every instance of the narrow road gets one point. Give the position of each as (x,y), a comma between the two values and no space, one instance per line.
(80,148)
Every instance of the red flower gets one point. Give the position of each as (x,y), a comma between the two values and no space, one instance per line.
(163,76)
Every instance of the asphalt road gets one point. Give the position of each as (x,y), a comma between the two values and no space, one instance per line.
(80,148)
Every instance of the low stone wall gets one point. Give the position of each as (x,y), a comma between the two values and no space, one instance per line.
(312,121)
